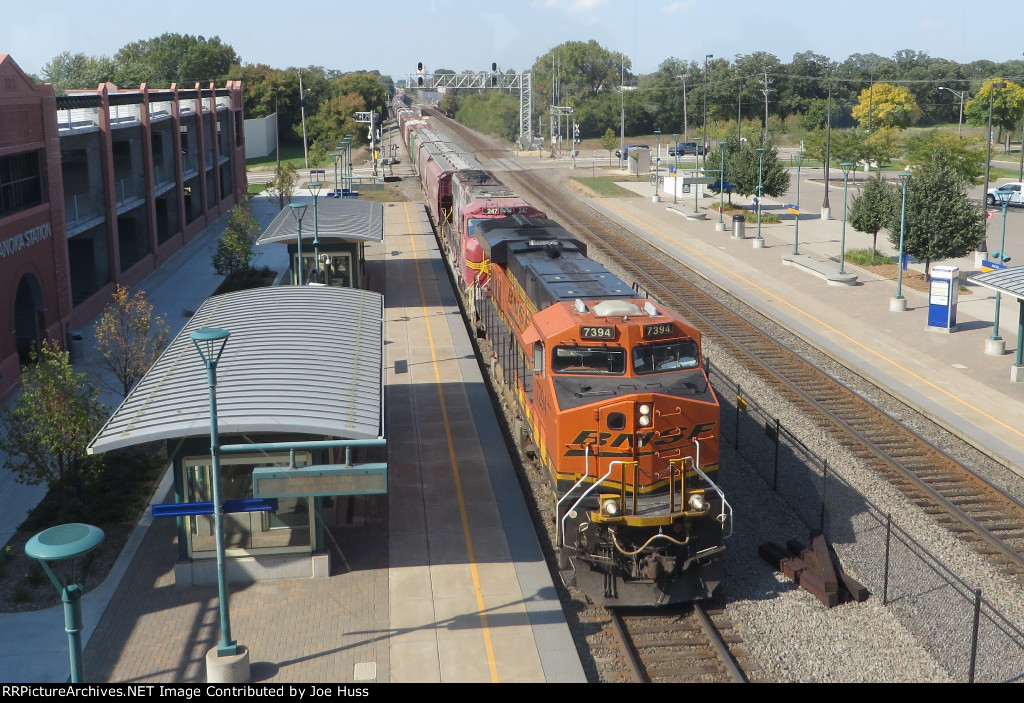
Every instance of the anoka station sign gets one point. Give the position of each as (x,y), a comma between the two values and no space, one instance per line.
(23,240)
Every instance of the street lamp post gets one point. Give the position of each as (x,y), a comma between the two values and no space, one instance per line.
(315,188)
(760,197)
(657,163)
(685,126)
(336,157)
(66,554)
(277,130)
(996,345)
(298,210)
(960,124)
(739,115)
(210,343)
(704,120)
(675,173)
(796,229)
(988,158)
(721,188)
(846,166)
(899,303)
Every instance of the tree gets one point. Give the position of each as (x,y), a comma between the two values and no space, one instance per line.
(609,141)
(67,71)
(128,338)
(491,112)
(941,223)
(174,58)
(889,106)
(964,155)
(282,186)
(318,154)
(234,253)
(45,431)
(743,166)
(873,209)
(1006,105)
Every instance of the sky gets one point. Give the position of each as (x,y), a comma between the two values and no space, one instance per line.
(460,35)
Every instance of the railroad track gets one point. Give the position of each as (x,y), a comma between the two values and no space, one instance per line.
(962,501)
(684,645)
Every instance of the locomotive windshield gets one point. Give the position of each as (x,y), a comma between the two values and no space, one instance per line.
(665,356)
(589,360)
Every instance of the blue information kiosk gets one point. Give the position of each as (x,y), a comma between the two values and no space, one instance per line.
(943,292)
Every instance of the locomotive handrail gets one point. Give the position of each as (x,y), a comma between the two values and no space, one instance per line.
(714,486)
(560,527)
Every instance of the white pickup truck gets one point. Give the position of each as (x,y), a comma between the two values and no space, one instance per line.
(1016,191)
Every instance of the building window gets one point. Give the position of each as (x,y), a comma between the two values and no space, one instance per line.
(21,182)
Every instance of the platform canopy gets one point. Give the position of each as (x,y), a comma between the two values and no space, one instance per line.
(338,219)
(300,359)
(1008,281)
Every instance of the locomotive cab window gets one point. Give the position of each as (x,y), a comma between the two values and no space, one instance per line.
(665,356)
(589,360)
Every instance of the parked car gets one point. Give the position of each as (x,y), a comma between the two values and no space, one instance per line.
(628,147)
(684,148)
(1016,191)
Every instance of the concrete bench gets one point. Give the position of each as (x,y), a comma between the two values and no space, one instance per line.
(827,270)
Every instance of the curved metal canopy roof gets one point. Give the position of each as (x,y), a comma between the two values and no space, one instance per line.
(300,359)
(346,219)
(1008,281)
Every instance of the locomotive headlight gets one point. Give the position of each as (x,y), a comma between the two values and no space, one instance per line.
(698,503)
(610,508)
(644,415)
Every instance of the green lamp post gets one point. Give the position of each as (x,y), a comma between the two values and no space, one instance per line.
(675,173)
(796,228)
(996,345)
(898,303)
(315,189)
(66,552)
(842,238)
(760,187)
(721,188)
(298,210)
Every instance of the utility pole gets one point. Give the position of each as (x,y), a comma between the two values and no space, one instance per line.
(765,90)
(302,105)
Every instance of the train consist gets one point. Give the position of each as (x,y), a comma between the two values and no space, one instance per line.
(610,389)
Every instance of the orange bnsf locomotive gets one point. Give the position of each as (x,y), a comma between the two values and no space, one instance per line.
(616,405)
(610,389)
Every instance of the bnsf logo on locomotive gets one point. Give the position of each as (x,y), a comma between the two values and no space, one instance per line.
(665,438)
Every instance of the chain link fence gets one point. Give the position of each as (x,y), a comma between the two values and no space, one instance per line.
(951,619)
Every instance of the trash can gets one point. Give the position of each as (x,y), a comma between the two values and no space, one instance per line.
(76,346)
(739,227)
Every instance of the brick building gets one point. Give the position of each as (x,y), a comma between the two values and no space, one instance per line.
(100,187)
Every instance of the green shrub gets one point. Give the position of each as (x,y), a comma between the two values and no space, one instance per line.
(863,257)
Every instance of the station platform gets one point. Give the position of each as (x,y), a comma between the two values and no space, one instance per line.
(442,580)
(947,373)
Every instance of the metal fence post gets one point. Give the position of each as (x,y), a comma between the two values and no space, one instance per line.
(775,470)
(824,491)
(885,577)
(974,634)
(736,441)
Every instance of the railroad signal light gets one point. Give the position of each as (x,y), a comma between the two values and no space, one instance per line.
(419,67)
(419,80)
(494,66)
